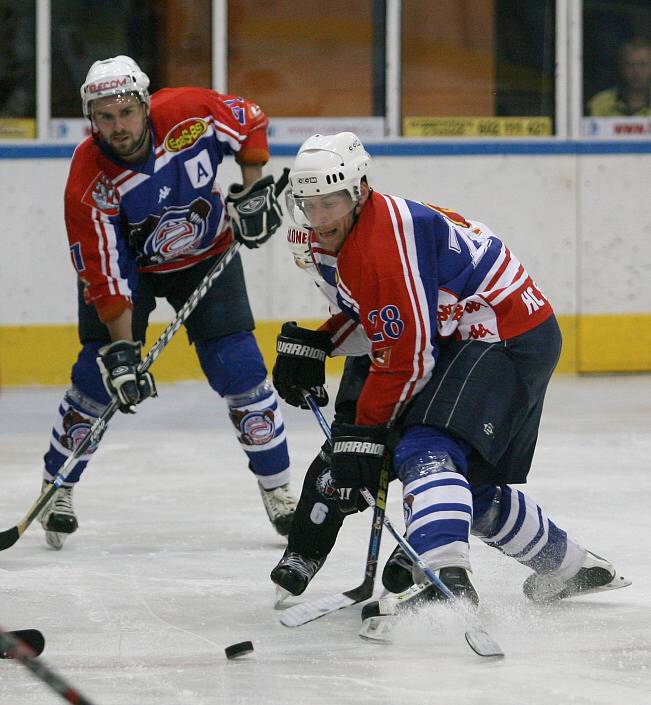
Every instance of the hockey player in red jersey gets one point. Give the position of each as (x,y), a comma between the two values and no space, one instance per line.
(146,219)
(463,344)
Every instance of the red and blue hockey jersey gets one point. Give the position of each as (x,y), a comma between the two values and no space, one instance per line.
(412,274)
(164,214)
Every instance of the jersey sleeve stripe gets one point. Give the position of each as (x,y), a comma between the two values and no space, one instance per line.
(423,361)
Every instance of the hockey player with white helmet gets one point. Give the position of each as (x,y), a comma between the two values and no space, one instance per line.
(146,219)
(463,344)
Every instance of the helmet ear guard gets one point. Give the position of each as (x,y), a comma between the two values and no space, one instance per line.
(119,75)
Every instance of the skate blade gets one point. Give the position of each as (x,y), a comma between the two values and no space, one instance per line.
(55,539)
(619,581)
(377,629)
(281,597)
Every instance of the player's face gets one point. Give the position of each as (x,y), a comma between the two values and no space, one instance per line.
(635,67)
(121,121)
(331,216)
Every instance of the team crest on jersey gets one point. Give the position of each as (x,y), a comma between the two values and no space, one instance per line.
(256,427)
(185,134)
(76,428)
(103,195)
(180,230)
(382,357)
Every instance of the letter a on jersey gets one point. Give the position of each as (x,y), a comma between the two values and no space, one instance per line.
(200,169)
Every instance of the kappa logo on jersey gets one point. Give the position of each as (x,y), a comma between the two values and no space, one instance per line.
(103,195)
(256,427)
(185,134)
(447,310)
(163,193)
(477,332)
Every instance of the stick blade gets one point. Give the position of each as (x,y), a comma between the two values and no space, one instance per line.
(483,644)
(306,612)
(9,537)
(32,638)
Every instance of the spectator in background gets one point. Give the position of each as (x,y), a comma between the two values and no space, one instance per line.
(632,94)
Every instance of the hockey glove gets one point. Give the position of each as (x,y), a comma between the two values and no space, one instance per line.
(357,456)
(118,363)
(300,364)
(254,211)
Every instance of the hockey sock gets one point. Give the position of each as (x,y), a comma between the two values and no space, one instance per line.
(75,416)
(511,522)
(437,499)
(260,431)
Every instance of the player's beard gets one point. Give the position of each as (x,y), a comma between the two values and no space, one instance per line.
(128,147)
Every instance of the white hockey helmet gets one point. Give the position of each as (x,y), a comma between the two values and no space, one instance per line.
(119,75)
(329,163)
(326,164)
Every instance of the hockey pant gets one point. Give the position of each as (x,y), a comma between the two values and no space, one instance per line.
(235,370)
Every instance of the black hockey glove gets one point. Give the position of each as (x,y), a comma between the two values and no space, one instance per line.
(118,363)
(300,364)
(254,211)
(357,456)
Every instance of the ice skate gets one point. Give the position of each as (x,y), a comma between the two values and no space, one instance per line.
(397,573)
(294,572)
(58,517)
(280,506)
(422,594)
(595,575)
(378,616)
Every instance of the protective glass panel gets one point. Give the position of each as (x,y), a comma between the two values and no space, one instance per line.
(617,68)
(478,68)
(308,59)
(170,40)
(17,69)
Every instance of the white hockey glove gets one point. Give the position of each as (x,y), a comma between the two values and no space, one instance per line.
(254,211)
(118,363)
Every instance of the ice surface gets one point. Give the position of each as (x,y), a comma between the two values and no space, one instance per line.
(172,557)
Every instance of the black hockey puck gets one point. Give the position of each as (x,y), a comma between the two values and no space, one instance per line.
(240,649)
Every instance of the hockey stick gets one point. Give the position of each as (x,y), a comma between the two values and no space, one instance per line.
(9,537)
(31,637)
(19,651)
(477,637)
(297,615)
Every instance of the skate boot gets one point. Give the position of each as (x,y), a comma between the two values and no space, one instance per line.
(58,516)
(280,506)
(595,575)
(294,572)
(422,594)
(378,616)
(397,573)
